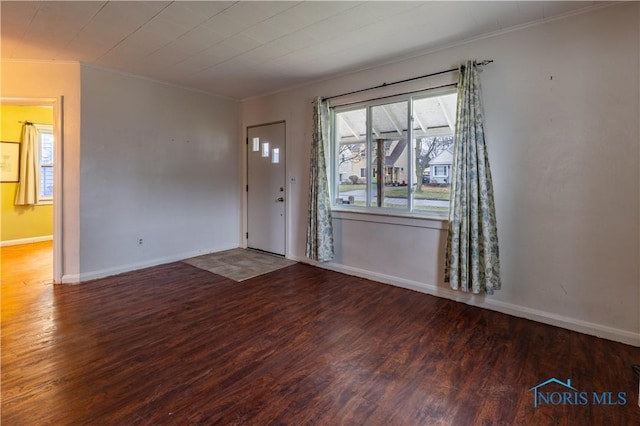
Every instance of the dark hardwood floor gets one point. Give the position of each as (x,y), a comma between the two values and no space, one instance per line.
(178,345)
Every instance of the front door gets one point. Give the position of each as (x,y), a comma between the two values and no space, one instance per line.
(266,188)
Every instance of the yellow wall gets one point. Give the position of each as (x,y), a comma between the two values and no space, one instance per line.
(20,222)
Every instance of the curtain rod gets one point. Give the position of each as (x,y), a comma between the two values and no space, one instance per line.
(401,94)
(26,123)
(481,63)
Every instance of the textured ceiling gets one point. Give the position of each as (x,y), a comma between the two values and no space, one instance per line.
(245,49)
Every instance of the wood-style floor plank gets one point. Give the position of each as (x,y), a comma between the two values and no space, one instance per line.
(175,344)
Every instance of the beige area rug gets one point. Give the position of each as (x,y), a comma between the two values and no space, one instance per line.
(239,264)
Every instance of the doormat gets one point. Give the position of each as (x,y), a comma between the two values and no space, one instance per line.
(239,264)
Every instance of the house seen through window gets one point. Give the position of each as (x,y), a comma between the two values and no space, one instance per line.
(395,155)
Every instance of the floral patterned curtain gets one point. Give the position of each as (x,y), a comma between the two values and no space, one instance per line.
(472,260)
(320,227)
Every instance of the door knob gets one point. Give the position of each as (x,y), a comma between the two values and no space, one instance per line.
(280,200)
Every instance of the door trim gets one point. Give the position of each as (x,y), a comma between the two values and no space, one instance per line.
(245,197)
(57,104)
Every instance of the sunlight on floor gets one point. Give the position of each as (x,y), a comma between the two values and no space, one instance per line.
(27,275)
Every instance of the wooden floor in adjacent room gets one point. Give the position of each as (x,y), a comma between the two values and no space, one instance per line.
(175,344)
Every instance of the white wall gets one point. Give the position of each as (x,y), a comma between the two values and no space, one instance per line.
(158,163)
(52,81)
(561,100)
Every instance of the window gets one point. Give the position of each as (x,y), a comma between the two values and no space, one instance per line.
(383,151)
(440,171)
(45,163)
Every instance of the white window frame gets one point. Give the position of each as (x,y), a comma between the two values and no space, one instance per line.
(367,105)
(44,129)
(440,167)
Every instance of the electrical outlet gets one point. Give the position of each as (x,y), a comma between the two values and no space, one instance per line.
(139,241)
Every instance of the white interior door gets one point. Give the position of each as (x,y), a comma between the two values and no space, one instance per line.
(266,188)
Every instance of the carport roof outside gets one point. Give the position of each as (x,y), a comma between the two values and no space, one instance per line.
(433,116)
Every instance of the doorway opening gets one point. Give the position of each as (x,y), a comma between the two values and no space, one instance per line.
(30,236)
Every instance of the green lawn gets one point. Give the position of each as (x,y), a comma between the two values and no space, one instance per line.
(428,192)
(344,188)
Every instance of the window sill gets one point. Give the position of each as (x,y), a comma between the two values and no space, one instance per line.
(403,219)
(44,203)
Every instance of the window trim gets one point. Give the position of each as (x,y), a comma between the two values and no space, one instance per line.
(440,167)
(382,211)
(412,220)
(44,128)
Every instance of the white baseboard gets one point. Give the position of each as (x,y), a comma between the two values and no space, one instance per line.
(26,241)
(569,323)
(94,275)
